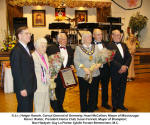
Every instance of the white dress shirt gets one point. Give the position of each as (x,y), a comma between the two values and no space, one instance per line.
(100,46)
(64,55)
(25,46)
(120,49)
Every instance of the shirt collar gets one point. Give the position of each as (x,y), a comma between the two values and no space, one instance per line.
(23,44)
(97,41)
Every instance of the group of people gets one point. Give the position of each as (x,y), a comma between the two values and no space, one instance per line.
(31,72)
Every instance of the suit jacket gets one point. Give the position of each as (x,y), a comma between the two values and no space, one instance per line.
(23,72)
(118,61)
(41,86)
(55,48)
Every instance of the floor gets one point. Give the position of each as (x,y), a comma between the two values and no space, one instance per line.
(137,98)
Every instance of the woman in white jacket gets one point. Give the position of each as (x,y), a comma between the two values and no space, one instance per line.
(41,96)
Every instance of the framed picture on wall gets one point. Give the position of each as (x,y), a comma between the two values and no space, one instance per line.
(38,18)
(81,16)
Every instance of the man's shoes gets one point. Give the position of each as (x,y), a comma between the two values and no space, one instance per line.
(107,106)
(96,108)
(122,108)
(114,109)
(129,80)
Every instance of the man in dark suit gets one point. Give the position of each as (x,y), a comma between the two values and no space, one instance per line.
(23,73)
(67,53)
(104,70)
(119,70)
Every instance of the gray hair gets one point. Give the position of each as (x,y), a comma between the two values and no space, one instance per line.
(60,35)
(39,41)
(84,35)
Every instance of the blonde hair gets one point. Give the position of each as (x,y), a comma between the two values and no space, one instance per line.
(84,36)
(39,41)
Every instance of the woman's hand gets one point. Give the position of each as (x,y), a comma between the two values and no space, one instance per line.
(87,71)
(97,66)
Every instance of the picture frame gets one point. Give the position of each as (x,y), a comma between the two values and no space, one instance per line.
(81,16)
(68,78)
(38,18)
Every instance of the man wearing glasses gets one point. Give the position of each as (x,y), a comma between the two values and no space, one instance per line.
(23,72)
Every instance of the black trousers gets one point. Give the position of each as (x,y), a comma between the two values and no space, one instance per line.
(88,94)
(57,105)
(25,104)
(118,90)
(104,79)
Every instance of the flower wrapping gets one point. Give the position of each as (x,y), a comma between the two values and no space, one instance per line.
(55,63)
(104,56)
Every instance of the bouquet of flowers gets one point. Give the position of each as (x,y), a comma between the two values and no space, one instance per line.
(7,44)
(55,63)
(104,56)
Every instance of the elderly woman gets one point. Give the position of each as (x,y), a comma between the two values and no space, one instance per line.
(84,58)
(41,96)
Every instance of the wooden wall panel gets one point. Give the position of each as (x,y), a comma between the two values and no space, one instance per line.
(13,12)
(102,14)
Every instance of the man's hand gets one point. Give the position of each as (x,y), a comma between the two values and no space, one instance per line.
(23,92)
(123,69)
(72,67)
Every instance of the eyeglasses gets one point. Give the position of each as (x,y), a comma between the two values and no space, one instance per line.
(26,33)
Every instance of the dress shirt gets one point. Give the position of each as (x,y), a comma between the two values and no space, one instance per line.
(100,45)
(120,49)
(25,46)
(64,55)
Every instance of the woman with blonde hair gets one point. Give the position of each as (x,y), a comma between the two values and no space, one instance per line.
(41,96)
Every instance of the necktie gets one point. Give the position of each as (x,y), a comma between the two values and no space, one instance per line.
(98,42)
(62,47)
(117,43)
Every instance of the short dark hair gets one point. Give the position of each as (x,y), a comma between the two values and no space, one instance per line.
(19,30)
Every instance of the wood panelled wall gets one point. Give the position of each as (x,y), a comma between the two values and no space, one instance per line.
(142,63)
(13,12)
(102,14)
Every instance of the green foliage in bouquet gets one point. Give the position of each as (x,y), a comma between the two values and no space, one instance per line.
(7,44)
(137,23)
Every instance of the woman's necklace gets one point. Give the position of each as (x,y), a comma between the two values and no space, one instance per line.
(90,53)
